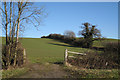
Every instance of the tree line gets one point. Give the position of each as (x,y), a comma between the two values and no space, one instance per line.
(89,33)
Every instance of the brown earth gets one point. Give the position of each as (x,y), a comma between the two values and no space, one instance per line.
(46,70)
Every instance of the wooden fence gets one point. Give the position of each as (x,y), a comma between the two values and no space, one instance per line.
(66,56)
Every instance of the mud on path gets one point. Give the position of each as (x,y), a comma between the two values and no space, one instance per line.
(46,70)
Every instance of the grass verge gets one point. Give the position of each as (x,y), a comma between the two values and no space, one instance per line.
(14,72)
(93,73)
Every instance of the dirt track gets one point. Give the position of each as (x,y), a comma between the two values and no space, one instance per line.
(45,71)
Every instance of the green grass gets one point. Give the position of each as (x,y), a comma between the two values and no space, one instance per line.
(98,43)
(13,72)
(93,73)
(100,73)
(47,50)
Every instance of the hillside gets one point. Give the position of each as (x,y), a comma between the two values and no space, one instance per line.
(48,50)
(44,55)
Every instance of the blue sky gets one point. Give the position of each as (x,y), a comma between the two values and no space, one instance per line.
(71,15)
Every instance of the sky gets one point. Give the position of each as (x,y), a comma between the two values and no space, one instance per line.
(64,0)
(64,16)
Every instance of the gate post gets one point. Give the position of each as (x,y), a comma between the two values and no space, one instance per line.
(65,56)
(24,56)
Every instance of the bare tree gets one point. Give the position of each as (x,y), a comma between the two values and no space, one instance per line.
(69,34)
(16,15)
(6,24)
(19,14)
(10,21)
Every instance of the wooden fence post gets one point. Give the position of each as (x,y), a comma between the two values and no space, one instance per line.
(24,56)
(66,56)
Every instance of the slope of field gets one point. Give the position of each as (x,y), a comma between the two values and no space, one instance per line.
(46,50)
(42,53)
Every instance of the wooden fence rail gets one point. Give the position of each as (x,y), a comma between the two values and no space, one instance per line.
(66,55)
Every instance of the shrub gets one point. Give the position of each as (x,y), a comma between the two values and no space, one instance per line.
(69,40)
(93,61)
(109,59)
(88,43)
(112,51)
(8,55)
(111,47)
(55,36)
(78,42)
(44,37)
(60,38)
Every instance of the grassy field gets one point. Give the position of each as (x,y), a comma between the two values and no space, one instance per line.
(100,43)
(47,50)
(51,51)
